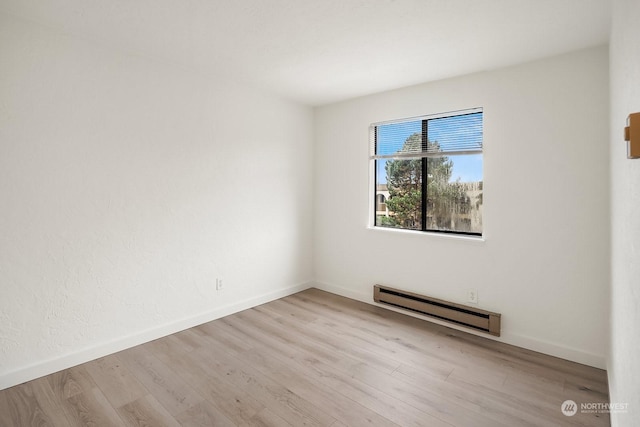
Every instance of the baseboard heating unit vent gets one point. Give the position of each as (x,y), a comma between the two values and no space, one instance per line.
(471,317)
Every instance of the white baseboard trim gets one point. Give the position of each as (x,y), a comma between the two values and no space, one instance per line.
(549,348)
(56,364)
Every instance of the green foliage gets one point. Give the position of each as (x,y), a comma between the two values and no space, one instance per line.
(385,221)
(404,182)
(446,201)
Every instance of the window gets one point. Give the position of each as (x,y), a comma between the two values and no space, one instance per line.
(428,173)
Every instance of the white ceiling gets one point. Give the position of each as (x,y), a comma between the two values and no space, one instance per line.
(321,51)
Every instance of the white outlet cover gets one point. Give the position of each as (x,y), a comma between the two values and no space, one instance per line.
(472,296)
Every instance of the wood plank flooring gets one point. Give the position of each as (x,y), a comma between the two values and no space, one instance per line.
(312,359)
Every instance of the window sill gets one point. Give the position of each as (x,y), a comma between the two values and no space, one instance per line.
(429,234)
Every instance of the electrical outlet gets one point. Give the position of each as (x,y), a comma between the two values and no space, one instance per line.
(472,296)
(218,284)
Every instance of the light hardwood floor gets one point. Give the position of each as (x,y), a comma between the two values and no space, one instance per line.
(314,359)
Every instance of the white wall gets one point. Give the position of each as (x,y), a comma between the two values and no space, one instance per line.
(126,187)
(544,261)
(624,365)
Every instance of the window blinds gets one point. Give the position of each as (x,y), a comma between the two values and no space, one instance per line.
(428,136)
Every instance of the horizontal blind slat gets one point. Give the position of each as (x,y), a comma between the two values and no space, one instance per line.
(460,133)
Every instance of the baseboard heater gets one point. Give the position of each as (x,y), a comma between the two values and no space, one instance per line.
(480,320)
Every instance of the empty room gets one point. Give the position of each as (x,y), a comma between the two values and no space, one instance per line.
(319,213)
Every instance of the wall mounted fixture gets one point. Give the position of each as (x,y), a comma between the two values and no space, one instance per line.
(632,136)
